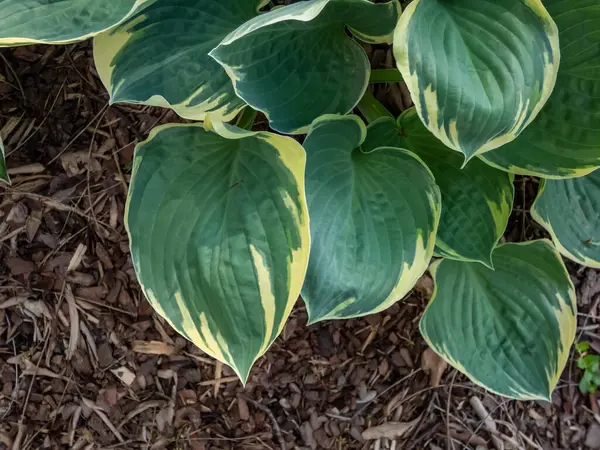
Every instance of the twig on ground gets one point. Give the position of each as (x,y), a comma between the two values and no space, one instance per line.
(83,130)
(218,374)
(90,404)
(10,68)
(450,444)
(385,391)
(488,421)
(46,341)
(74,322)
(267,411)
(220,380)
(39,127)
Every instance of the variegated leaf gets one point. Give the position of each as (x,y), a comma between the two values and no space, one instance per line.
(219,235)
(479,71)
(374,216)
(476,200)
(59,21)
(564,140)
(159,56)
(296,63)
(570,211)
(509,329)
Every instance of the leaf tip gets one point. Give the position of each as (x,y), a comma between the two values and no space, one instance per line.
(468,157)
(487,262)
(242,372)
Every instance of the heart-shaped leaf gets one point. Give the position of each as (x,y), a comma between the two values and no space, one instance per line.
(564,141)
(296,63)
(478,71)
(570,211)
(159,56)
(219,235)
(476,200)
(373,221)
(59,21)
(509,329)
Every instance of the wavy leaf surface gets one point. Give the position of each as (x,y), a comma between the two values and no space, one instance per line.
(25,22)
(219,235)
(476,200)
(374,215)
(564,141)
(509,329)
(159,56)
(570,211)
(479,71)
(296,63)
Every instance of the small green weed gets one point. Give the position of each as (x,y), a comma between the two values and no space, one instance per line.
(590,364)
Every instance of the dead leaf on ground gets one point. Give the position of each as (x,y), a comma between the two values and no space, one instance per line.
(125,375)
(19,266)
(389,430)
(154,348)
(425,286)
(434,366)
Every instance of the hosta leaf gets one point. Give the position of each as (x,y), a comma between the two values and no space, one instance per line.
(59,21)
(570,211)
(159,56)
(479,71)
(476,200)
(3,171)
(384,132)
(564,141)
(509,329)
(297,63)
(373,221)
(219,235)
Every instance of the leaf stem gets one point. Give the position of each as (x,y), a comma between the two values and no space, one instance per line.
(385,76)
(371,109)
(246,118)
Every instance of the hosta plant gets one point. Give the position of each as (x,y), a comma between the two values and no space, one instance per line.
(228,226)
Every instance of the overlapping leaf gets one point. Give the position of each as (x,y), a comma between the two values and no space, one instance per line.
(159,56)
(564,141)
(508,329)
(59,21)
(373,221)
(478,71)
(476,200)
(570,211)
(219,235)
(297,63)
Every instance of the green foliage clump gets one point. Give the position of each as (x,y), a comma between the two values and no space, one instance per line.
(342,202)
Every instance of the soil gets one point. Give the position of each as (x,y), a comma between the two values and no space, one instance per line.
(85,363)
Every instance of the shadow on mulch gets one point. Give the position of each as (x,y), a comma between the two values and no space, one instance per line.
(85,363)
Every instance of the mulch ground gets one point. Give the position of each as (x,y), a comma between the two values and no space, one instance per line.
(85,363)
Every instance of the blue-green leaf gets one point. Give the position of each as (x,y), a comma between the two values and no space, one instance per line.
(374,215)
(509,329)
(570,211)
(297,62)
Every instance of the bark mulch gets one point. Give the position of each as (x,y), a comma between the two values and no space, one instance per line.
(85,363)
